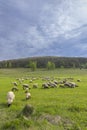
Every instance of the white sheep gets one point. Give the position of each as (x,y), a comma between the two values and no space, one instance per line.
(35,85)
(10,97)
(28,95)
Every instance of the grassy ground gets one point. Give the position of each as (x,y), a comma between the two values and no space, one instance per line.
(54,108)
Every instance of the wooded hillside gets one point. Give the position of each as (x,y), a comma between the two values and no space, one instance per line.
(60,62)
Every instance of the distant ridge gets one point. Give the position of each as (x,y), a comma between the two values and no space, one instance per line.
(66,62)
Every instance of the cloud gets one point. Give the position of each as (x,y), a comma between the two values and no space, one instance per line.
(63,17)
(42,27)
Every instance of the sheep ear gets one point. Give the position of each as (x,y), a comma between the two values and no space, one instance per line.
(9,105)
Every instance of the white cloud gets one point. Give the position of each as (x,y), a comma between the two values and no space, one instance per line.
(35,38)
(72,34)
(64,17)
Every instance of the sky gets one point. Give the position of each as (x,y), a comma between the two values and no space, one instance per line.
(30,28)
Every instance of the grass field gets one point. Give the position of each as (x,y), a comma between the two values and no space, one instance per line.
(54,108)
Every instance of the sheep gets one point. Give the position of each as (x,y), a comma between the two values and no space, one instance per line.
(67,84)
(52,84)
(14,88)
(28,95)
(15,84)
(70,84)
(34,78)
(31,81)
(78,80)
(56,82)
(35,85)
(73,85)
(61,82)
(25,86)
(22,79)
(45,85)
(10,97)
(62,86)
(26,89)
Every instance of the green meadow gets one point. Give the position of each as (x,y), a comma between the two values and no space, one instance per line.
(54,108)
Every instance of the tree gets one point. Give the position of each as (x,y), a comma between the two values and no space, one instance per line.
(33,65)
(6,65)
(73,65)
(85,66)
(9,64)
(50,65)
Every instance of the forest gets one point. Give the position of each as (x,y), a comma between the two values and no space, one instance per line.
(45,61)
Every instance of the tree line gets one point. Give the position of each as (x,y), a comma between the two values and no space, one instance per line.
(49,62)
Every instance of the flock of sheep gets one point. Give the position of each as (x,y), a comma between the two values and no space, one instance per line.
(11,95)
(47,82)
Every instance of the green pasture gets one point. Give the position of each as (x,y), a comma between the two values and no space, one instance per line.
(54,108)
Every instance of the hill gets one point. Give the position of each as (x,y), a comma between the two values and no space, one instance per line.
(66,62)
